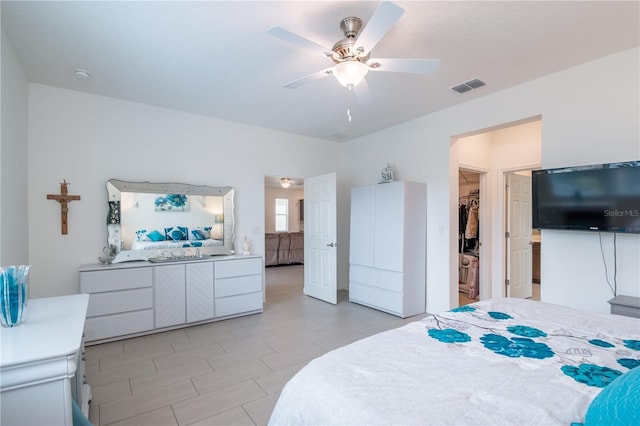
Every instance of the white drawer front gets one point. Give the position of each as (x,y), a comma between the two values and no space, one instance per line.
(118,325)
(238,304)
(376,298)
(238,285)
(114,302)
(382,279)
(117,279)
(238,267)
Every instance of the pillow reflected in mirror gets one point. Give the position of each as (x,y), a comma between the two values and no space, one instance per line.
(176,233)
(150,235)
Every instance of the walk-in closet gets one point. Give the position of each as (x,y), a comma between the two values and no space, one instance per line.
(469,233)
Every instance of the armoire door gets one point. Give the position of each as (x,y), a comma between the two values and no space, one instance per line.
(389,226)
(362,214)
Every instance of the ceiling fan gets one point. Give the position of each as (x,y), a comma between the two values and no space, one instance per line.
(351,56)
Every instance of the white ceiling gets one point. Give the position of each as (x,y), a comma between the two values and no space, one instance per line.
(216,59)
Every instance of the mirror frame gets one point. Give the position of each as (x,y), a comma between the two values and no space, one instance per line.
(114,239)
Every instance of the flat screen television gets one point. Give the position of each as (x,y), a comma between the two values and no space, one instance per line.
(604,197)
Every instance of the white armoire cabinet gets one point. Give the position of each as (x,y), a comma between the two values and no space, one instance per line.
(387,255)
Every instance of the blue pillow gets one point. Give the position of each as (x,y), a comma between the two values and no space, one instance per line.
(149,235)
(141,234)
(176,233)
(201,233)
(618,403)
(155,235)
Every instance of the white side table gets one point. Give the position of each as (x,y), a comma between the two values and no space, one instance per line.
(628,306)
(38,359)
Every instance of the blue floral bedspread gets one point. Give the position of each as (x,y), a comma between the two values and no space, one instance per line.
(501,361)
(504,334)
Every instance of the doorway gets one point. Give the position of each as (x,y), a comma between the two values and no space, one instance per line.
(303,233)
(469,232)
(283,228)
(522,242)
(507,148)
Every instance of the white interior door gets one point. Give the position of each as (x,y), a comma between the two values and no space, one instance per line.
(519,245)
(320,249)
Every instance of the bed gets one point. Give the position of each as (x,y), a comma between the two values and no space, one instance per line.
(497,362)
(173,237)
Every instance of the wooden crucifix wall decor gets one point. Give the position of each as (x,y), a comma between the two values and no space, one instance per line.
(64,199)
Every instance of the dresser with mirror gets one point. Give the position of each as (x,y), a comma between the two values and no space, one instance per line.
(169,262)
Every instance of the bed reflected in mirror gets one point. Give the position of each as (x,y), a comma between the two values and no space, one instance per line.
(159,219)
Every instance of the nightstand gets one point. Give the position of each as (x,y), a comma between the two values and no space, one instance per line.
(628,306)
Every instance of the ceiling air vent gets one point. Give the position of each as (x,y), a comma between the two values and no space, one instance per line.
(462,88)
(468,86)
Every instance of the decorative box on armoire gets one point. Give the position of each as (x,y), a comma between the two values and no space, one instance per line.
(387,252)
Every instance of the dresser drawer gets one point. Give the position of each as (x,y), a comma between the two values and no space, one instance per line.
(117,279)
(238,285)
(379,278)
(114,302)
(238,304)
(118,325)
(238,267)
(376,298)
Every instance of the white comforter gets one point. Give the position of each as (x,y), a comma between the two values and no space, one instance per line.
(503,361)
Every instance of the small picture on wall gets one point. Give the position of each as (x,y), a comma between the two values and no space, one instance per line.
(171,203)
(114,213)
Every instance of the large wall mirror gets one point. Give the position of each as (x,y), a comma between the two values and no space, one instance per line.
(150,220)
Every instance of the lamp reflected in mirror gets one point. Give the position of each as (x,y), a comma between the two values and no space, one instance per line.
(285,182)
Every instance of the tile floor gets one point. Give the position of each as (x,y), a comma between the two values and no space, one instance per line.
(463,299)
(228,372)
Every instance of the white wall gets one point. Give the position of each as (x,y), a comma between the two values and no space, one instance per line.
(605,128)
(294,195)
(89,139)
(590,114)
(14,244)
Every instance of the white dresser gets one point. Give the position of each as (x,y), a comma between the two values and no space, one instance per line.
(387,255)
(128,299)
(39,360)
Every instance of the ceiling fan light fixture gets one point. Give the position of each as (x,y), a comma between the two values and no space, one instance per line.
(350,73)
(285,182)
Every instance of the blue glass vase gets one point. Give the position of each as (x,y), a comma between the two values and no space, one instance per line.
(13,294)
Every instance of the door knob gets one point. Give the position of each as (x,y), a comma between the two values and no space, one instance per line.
(331,245)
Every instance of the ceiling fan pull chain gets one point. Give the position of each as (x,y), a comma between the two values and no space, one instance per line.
(349,101)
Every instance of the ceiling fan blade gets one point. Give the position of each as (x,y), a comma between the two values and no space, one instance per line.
(413,66)
(286,35)
(308,78)
(382,20)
